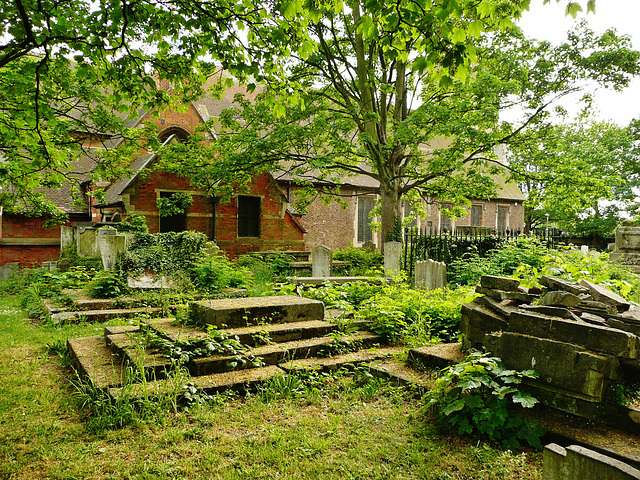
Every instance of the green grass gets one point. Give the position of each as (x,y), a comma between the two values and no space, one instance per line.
(345,433)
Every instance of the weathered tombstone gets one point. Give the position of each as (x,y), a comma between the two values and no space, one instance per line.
(392,256)
(430,275)
(584,249)
(67,237)
(111,245)
(321,257)
(87,246)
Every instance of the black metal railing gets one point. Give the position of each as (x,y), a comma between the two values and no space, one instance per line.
(444,246)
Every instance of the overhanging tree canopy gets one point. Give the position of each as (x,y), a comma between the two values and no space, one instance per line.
(374,105)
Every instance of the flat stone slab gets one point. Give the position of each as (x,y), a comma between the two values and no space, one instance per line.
(555,283)
(501,295)
(333,363)
(336,280)
(559,364)
(244,312)
(560,312)
(598,338)
(99,316)
(499,283)
(437,356)
(93,359)
(600,293)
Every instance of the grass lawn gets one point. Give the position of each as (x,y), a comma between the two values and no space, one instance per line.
(345,433)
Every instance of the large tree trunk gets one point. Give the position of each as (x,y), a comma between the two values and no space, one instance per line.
(391,212)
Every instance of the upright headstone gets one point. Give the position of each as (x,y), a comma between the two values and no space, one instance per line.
(111,246)
(430,275)
(392,256)
(584,249)
(321,257)
(87,245)
(67,237)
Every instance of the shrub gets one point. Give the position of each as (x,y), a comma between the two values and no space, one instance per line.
(215,272)
(475,397)
(504,260)
(361,261)
(107,285)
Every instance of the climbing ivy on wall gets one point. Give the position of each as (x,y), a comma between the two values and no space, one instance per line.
(166,253)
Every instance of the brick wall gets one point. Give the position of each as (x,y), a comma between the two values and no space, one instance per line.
(278,230)
(26,240)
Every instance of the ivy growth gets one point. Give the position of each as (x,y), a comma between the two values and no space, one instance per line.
(175,204)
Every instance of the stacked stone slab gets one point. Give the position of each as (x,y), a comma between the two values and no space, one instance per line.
(283,332)
(580,338)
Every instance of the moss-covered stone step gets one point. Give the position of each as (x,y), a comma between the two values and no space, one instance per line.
(95,362)
(215,383)
(338,361)
(129,347)
(100,316)
(244,312)
(251,336)
(281,352)
(437,356)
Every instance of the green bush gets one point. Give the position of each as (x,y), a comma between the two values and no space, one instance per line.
(504,260)
(476,397)
(214,272)
(574,265)
(361,261)
(396,311)
(416,316)
(107,285)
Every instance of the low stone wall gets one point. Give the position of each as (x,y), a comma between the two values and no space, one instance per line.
(575,462)
(581,338)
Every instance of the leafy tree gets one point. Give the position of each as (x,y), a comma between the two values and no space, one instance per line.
(71,71)
(380,101)
(582,175)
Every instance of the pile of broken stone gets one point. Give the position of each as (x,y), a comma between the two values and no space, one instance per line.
(581,338)
(582,302)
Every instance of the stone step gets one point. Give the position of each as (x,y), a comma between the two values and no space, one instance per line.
(128,347)
(401,375)
(240,381)
(338,361)
(244,312)
(100,316)
(93,360)
(253,336)
(156,365)
(437,356)
(279,353)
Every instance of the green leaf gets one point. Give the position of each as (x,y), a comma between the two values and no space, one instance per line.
(524,399)
(572,9)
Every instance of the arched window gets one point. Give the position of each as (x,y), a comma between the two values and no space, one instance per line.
(180,133)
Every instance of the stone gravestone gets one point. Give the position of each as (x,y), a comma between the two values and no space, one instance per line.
(392,256)
(111,245)
(430,275)
(321,257)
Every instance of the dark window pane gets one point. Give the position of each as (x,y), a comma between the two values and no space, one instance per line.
(248,216)
(173,223)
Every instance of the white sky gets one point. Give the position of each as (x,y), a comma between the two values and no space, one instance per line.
(548,22)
